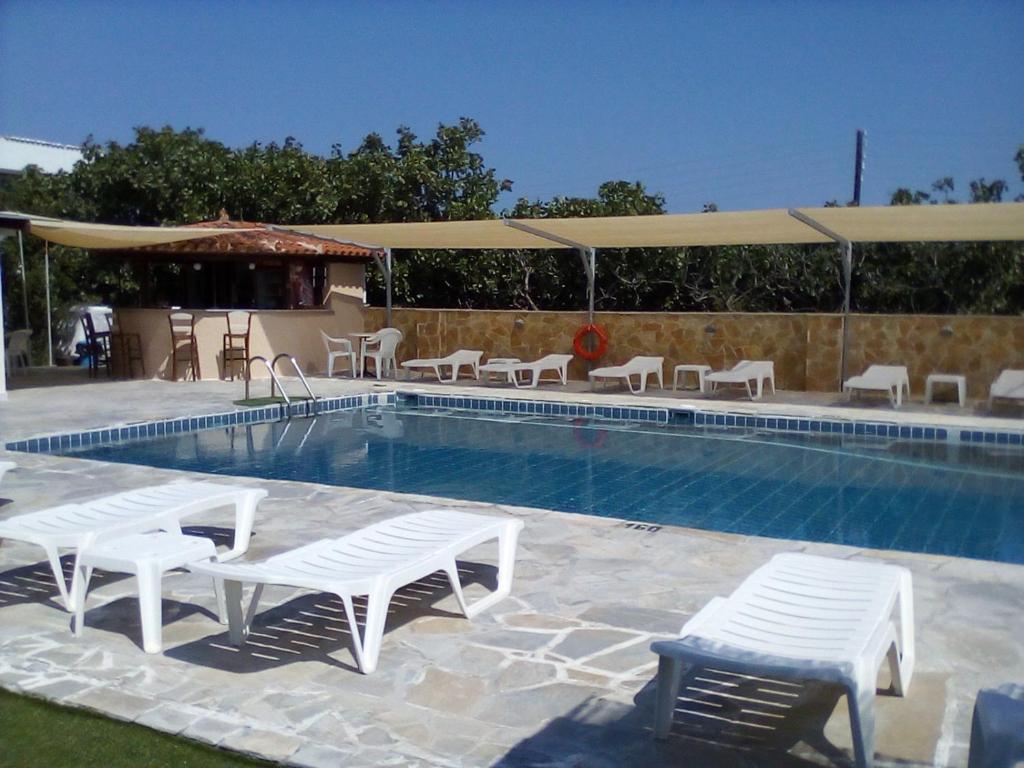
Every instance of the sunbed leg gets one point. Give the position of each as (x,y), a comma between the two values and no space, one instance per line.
(508,537)
(237,629)
(79,605)
(452,570)
(670,672)
(904,668)
(245,518)
(150,603)
(222,604)
(861,700)
(373,631)
(58,574)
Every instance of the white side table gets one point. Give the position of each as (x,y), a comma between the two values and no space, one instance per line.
(946,378)
(148,556)
(700,370)
(502,360)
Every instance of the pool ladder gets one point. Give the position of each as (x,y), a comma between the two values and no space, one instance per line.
(275,383)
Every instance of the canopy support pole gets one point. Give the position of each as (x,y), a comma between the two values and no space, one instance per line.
(49,318)
(3,347)
(24,277)
(588,255)
(846,252)
(385,270)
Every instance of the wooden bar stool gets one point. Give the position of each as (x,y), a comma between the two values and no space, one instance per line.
(183,336)
(126,349)
(236,341)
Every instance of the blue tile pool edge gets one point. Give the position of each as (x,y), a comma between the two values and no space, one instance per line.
(171,426)
(697,417)
(766,421)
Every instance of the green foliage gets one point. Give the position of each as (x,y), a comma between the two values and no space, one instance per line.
(166,176)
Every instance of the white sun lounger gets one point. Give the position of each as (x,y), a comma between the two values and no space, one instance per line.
(803,617)
(744,372)
(1008,385)
(5,467)
(891,379)
(528,374)
(374,561)
(456,360)
(638,366)
(159,507)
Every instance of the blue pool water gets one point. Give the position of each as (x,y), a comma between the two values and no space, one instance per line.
(870,492)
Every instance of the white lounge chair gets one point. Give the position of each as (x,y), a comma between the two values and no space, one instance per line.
(158,507)
(381,349)
(338,348)
(1008,385)
(803,617)
(374,561)
(744,372)
(891,379)
(456,360)
(638,366)
(5,467)
(528,374)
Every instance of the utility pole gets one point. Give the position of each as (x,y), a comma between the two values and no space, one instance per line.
(858,170)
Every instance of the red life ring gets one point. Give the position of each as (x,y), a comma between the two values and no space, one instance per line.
(602,342)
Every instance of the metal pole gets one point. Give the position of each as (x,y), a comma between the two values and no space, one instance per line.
(590,281)
(49,319)
(847,249)
(387,277)
(24,277)
(3,349)
(858,169)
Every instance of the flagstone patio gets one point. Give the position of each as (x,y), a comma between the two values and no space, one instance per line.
(559,674)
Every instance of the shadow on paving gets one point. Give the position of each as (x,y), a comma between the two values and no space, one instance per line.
(35,584)
(312,627)
(721,719)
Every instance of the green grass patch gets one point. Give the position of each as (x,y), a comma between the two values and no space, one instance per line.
(34,733)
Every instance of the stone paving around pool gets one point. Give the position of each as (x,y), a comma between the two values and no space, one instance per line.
(558,674)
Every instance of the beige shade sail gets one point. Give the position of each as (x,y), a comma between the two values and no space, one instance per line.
(918,223)
(100,236)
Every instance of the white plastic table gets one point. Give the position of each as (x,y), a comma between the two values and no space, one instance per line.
(700,370)
(946,378)
(148,556)
(504,360)
(360,337)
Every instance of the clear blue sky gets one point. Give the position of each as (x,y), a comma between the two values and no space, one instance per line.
(748,105)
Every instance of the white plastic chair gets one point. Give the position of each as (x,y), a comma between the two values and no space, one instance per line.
(338,348)
(158,507)
(638,366)
(381,349)
(891,379)
(532,371)
(1008,385)
(803,617)
(5,467)
(456,360)
(18,355)
(374,561)
(744,372)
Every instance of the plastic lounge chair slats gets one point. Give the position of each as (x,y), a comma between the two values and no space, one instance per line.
(456,360)
(639,366)
(1009,385)
(805,618)
(375,562)
(891,379)
(161,507)
(744,372)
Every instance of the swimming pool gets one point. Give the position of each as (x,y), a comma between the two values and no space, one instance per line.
(942,498)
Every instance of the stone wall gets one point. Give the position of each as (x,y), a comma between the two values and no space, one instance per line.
(806,348)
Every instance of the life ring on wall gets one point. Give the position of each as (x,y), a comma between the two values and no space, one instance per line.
(602,342)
